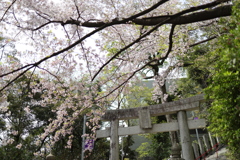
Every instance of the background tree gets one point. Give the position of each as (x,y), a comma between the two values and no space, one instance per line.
(21,128)
(224,87)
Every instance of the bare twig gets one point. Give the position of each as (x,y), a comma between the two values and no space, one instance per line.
(88,65)
(50,73)
(203,41)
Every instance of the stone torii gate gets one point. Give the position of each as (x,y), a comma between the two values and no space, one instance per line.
(145,126)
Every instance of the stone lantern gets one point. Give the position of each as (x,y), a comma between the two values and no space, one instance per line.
(176,152)
(50,157)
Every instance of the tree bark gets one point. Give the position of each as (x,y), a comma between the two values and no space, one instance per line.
(217,12)
(173,135)
(221,11)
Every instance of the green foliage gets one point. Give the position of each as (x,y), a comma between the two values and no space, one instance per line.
(215,66)
(101,150)
(21,122)
(127,151)
(196,64)
(144,150)
(159,148)
(224,89)
(139,97)
(2,124)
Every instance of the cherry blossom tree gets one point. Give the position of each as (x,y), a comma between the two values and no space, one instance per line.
(78,47)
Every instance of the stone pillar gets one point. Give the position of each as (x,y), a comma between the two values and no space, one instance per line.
(218,140)
(212,140)
(114,141)
(196,150)
(187,150)
(201,146)
(176,152)
(206,142)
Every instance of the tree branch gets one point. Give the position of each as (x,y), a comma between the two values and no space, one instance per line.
(126,47)
(102,24)
(221,11)
(170,44)
(166,20)
(7,9)
(203,41)
(133,73)
(155,67)
(18,76)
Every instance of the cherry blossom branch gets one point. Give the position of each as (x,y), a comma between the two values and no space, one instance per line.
(7,10)
(192,9)
(78,11)
(162,58)
(221,11)
(126,47)
(79,41)
(208,39)
(18,76)
(103,24)
(133,73)
(45,24)
(16,70)
(31,76)
(88,65)
(42,143)
(50,73)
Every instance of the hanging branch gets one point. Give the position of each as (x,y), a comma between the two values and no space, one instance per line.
(126,47)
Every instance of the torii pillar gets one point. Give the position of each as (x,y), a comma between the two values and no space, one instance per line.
(187,150)
(114,151)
